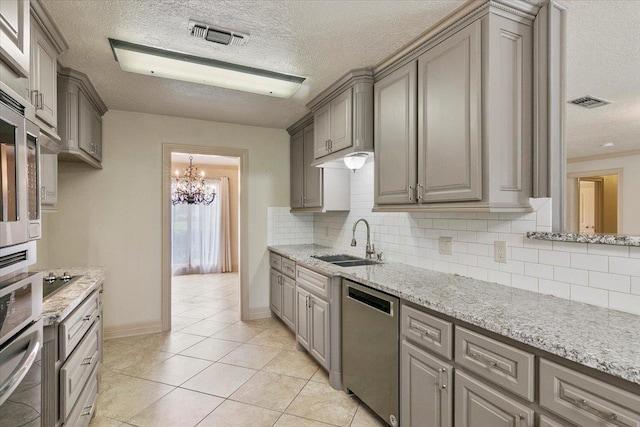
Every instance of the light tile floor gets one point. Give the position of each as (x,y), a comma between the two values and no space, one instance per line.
(214,370)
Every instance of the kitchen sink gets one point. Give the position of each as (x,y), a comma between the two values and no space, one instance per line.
(344,260)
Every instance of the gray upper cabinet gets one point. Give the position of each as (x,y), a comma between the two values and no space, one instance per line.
(395,136)
(43,77)
(468,107)
(49,179)
(312,174)
(343,117)
(449,139)
(15,35)
(296,151)
(80,111)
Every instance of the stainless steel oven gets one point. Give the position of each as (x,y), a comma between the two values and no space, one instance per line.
(20,344)
(14,224)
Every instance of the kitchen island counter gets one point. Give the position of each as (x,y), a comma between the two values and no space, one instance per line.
(600,338)
(57,307)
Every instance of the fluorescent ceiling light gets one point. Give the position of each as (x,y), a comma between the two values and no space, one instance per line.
(150,61)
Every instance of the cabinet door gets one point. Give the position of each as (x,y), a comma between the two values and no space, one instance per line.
(297,170)
(275,286)
(97,136)
(288,308)
(478,405)
(312,174)
(426,392)
(49,177)
(319,330)
(322,131)
(43,79)
(15,35)
(302,317)
(85,124)
(449,119)
(341,121)
(395,112)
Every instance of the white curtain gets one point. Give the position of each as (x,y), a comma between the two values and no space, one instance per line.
(201,234)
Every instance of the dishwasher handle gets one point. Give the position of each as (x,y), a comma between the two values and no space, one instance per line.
(372,301)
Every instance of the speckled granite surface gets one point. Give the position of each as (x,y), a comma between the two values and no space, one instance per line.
(600,338)
(60,305)
(602,239)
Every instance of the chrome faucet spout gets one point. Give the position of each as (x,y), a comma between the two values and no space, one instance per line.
(370,251)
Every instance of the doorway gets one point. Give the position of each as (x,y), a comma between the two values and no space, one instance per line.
(594,202)
(204,250)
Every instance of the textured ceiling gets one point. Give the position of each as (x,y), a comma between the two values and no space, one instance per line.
(321,40)
(603,60)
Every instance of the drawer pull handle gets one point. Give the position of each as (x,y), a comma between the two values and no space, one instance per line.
(484,359)
(519,419)
(610,417)
(441,381)
(88,360)
(425,332)
(86,318)
(86,411)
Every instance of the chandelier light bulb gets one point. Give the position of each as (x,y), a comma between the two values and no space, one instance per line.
(191,188)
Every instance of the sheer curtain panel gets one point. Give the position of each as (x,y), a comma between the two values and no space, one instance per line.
(201,234)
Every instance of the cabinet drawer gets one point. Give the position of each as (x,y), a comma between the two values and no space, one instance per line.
(73,328)
(550,422)
(289,267)
(478,405)
(586,401)
(500,363)
(85,407)
(428,331)
(312,281)
(78,369)
(275,261)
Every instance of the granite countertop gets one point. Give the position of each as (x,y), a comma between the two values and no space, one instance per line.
(602,239)
(56,308)
(600,338)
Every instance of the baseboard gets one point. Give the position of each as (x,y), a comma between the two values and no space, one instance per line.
(131,329)
(259,313)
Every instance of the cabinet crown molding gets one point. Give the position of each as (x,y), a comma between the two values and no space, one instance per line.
(83,81)
(300,124)
(353,77)
(49,26)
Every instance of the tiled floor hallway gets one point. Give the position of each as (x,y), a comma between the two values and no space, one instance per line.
(214,370)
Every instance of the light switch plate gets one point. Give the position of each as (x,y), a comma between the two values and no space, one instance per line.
(500,251)
(445,245)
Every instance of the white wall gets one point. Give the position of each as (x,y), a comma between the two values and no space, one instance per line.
(629,181)
(602,275)
(112,217)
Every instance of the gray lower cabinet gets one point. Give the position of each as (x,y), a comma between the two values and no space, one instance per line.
(550,422)
(478,405)
(275,285)
(288,311)
(282,287)
(71,362)
(312,325)
(426,393)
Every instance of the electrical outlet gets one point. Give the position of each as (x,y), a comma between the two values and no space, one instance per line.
(445,245)
(500,251)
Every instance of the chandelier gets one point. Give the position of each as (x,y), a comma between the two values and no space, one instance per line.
(190,188)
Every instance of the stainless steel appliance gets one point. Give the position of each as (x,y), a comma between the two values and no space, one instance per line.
(370,329)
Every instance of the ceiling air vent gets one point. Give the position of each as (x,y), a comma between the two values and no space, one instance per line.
(589,101)
(218,35)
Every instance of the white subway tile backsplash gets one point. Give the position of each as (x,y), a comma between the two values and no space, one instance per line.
(611,282)
(562,259)
(571,275)
(590,262)
(624,302)
(628,266)
(590,295)
(550,287)
(590,273)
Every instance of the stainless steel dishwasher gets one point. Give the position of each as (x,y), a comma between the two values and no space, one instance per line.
(370,324)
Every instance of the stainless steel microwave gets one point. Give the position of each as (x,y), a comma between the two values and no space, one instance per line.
(19,175)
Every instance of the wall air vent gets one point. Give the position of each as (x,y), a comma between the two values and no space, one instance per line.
(218,35)
(589,101)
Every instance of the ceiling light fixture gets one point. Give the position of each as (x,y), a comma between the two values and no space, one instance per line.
(355,161)
(135,58)
(190,188)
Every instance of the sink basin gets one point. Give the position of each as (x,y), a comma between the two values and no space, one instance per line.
(344,260)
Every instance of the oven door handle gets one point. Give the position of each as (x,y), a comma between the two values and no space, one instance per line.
(12,382)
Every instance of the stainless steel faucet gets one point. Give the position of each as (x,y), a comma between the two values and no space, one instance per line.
(370,250)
